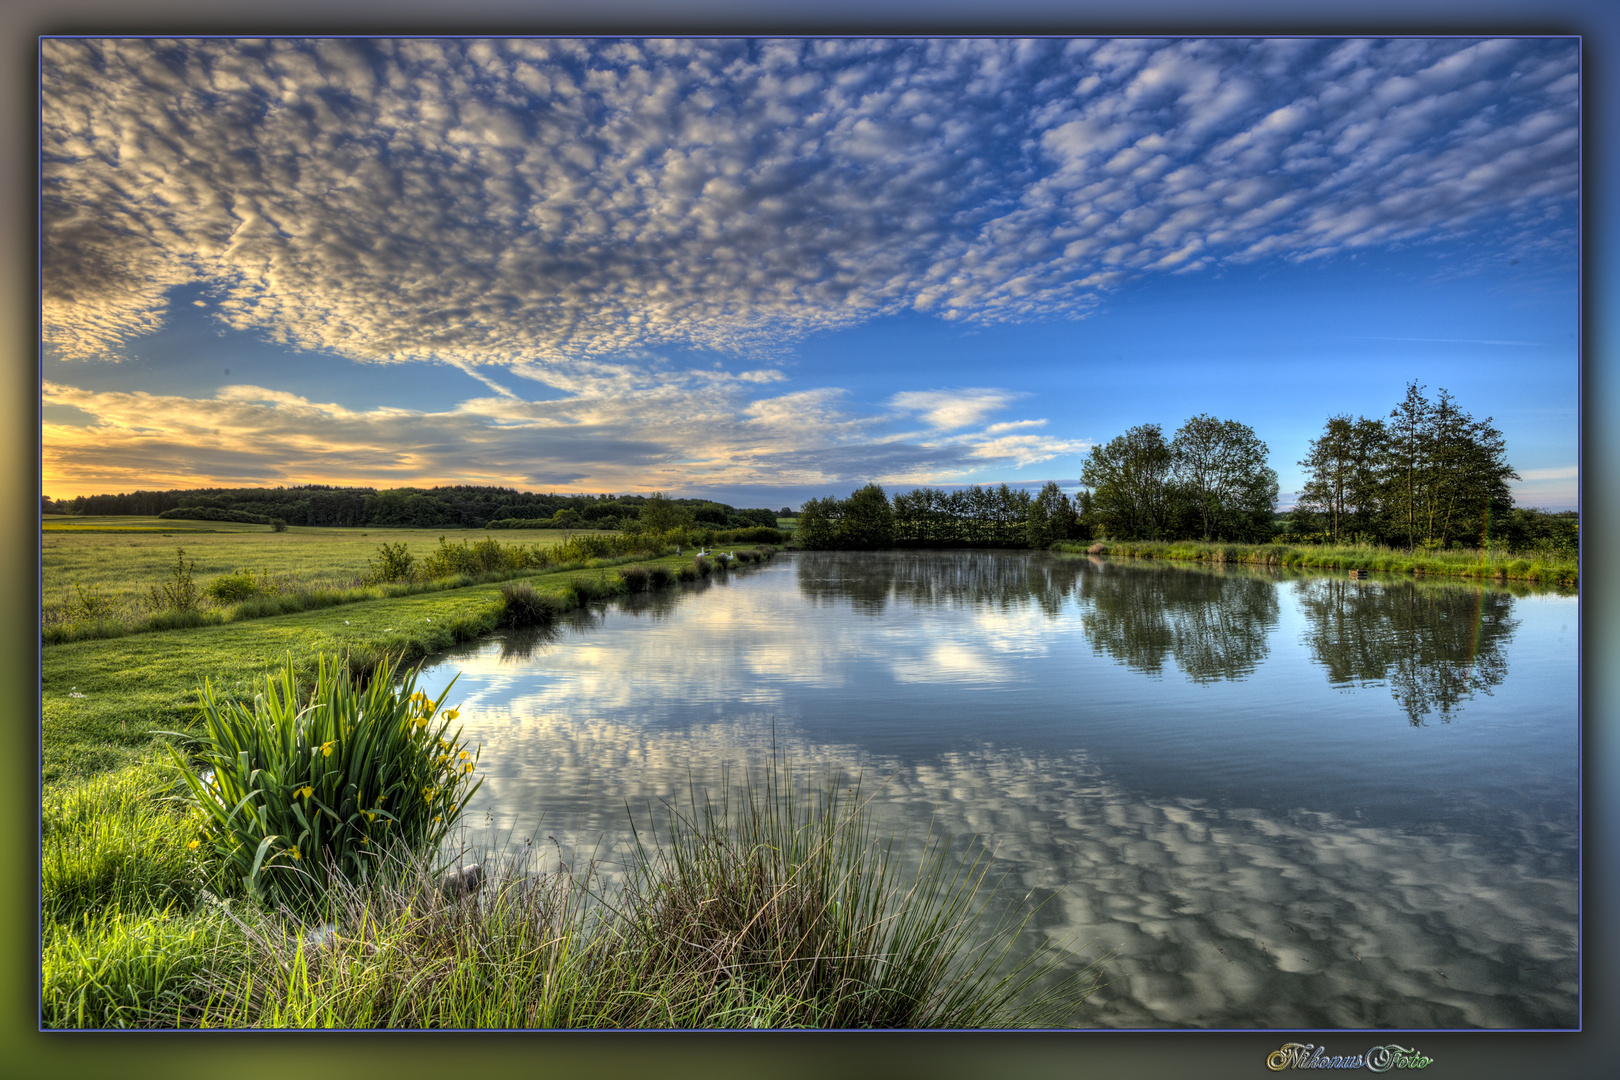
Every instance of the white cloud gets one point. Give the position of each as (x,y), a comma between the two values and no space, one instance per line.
(946,410)
(525,202)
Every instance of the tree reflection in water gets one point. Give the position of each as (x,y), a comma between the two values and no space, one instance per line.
(1435,645)
(923,579)
(1215,623)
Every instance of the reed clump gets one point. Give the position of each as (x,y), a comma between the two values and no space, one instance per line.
(637,579)
(520,606)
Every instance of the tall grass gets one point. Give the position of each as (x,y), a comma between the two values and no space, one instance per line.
(118,840)
(779,909)
(521,606)
(113,968)
(787,907)
(776,905)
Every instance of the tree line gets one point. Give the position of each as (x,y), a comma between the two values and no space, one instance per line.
(929,517)
(465,507)
(1428,475)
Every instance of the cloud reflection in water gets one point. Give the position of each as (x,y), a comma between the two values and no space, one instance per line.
(1239,909)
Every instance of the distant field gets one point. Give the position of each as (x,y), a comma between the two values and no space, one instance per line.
(124,556)
(61,523)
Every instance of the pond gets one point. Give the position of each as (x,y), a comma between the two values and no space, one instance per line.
(1273,799)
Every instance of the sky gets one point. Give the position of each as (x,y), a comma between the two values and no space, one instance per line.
(762,270)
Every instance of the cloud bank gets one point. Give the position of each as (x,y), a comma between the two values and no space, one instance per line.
(618,427)
(539,201)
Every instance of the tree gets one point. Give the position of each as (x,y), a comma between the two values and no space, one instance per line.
(1220,466)
(867,520)
(818,523)
(1444,474)
(1405,461)
(1468,475)
(1127,478)
(1051,518)
(660,514)
(1342,467)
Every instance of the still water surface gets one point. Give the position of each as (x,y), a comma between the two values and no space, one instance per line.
(1277,800)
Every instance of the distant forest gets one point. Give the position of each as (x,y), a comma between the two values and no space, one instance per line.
(420,508)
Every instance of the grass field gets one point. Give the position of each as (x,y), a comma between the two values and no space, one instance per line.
(121,558)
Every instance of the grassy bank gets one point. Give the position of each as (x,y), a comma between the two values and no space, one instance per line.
(102,698)
(1465,563)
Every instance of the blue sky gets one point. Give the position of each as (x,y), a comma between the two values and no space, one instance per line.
(766,270)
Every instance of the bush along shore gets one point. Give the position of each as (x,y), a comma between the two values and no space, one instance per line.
(282,868)
(1505,566)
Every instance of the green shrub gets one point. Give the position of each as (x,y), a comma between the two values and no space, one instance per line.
(687,572)
(393,563)
(278,524)
(213,513)
(234,587)
(701,567)
(635,578)
(660,577)
(299,791)
(759,534)
(89,604)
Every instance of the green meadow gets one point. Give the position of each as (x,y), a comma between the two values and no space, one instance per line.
(120,559)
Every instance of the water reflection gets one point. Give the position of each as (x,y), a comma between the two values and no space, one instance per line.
(1435,646)
(1215,624)
(984,579)
(1298,858)
(1216,916)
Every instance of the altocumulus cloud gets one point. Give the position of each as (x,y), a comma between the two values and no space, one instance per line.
(491,202)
